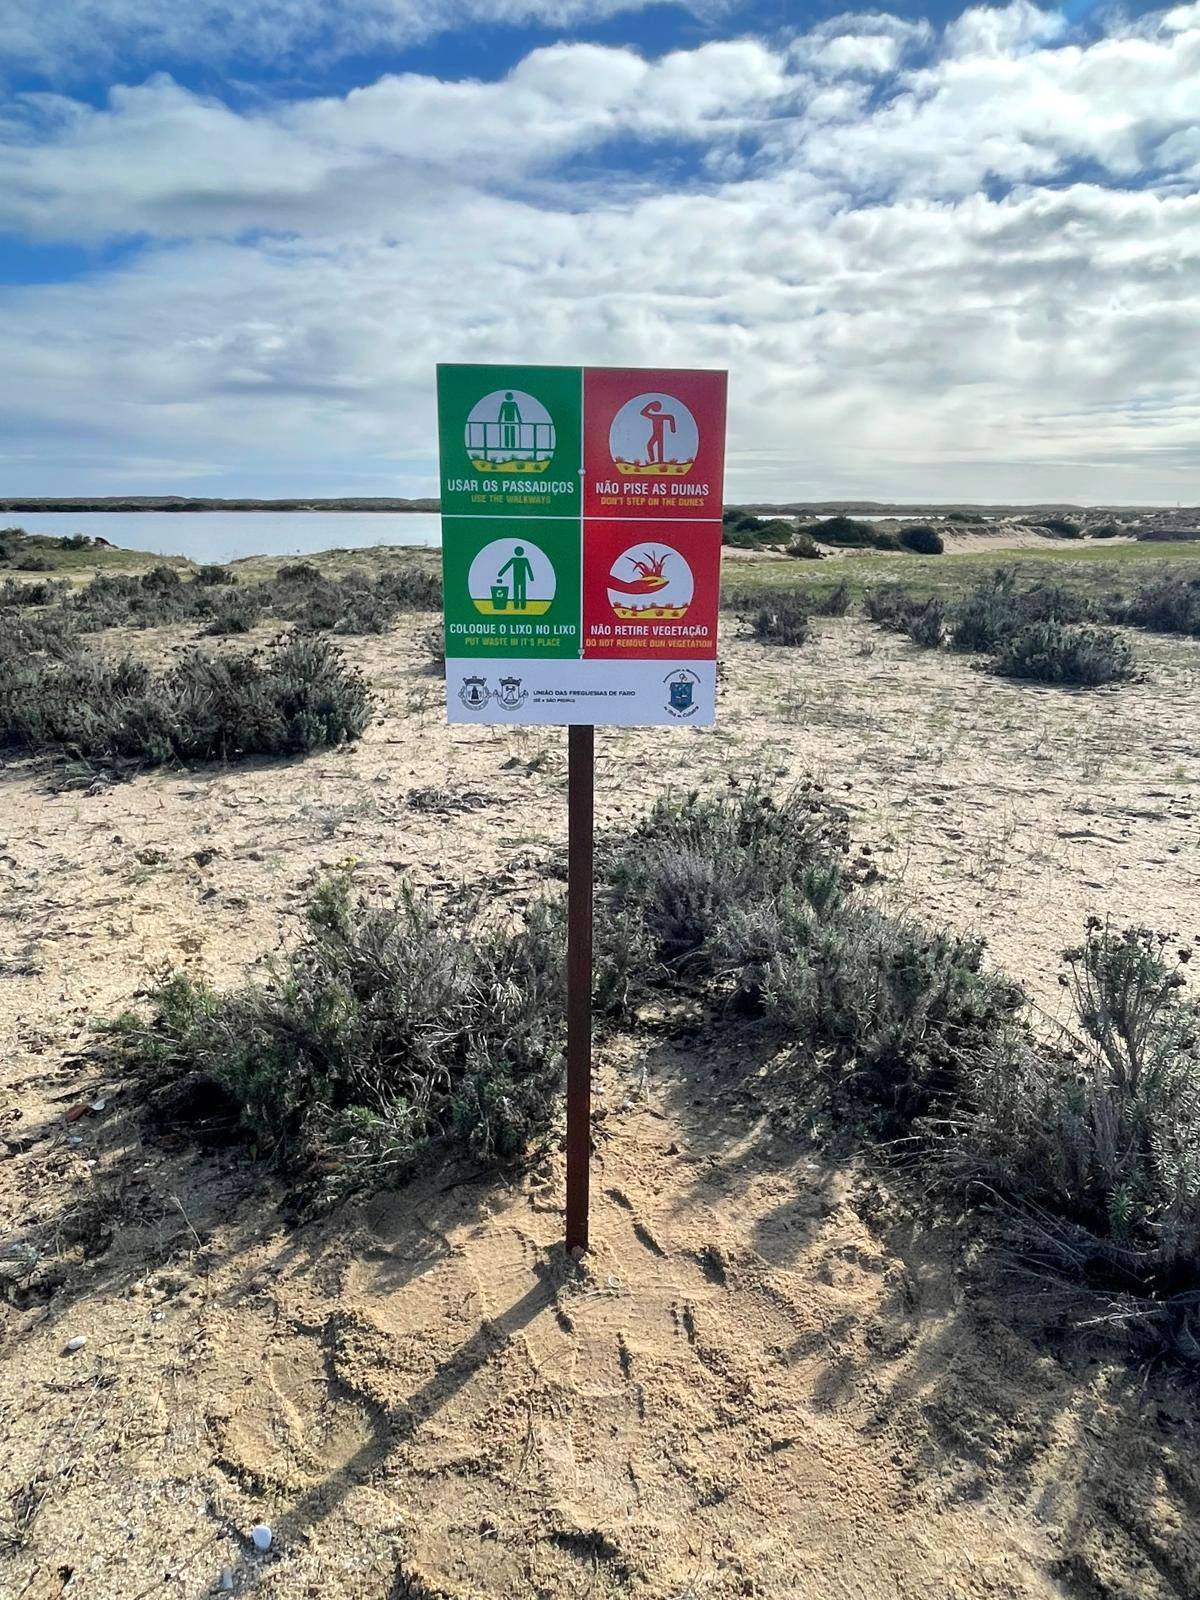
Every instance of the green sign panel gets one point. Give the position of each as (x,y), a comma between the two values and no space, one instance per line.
(511,440)
(512,586)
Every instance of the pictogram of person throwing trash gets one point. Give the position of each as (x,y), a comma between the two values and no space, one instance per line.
(522,570)
(659,421)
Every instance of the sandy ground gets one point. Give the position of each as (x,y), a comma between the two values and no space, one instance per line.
(764,1381)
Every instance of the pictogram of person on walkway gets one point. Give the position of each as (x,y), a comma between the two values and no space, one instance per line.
(521,568)
(659,420)
(509,419)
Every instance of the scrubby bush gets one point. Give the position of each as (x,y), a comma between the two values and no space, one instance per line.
(211,575)
(804,548)
(833,602)
(1165,605)
(1094,1142)
(742,530)
(1104,530)
(432,643)
(1045,601)
(161,580)
(997,609)
(32,563)
(1061,527)
(236,610)
(753,895)
(889,605)
(389,1037)
(848,532)
(921,617)
(987,617)
(925,624)
(1053,652)
(298,696)
(41,592)
(692,860)
(298,572)
(922,539)
(410,588)
(779,617)
(356,603)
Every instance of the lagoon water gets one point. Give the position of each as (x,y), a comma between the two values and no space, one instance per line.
(226,535)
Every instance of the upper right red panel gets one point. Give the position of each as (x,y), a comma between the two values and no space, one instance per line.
(653,442)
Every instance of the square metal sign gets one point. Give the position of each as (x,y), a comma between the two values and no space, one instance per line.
(581,543)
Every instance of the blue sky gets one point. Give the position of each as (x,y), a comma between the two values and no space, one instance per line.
(943,253)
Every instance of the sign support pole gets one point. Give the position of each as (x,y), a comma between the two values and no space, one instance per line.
(580,824)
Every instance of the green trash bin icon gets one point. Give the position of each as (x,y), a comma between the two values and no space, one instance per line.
(500,596)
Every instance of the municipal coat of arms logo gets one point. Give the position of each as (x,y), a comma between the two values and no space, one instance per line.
(474,693)
(511,694)
(681,691)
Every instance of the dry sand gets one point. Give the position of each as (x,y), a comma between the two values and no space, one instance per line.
(765,1381)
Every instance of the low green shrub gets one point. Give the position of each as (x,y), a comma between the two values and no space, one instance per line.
(1164,605)
(751,897)
(987,617)
(298,696)
(925,624)
(742,531)
(211,576)
(410,588)
(390,1037)
(890,605)
(1092,1142)
(779,617)
(997,609)
(1061,527)
(1054,652)
(1104,530)
(41,592)
(301,572)
(32,563)
(235,610)
(804,548)
(833,602)
(921,539)
(849,532)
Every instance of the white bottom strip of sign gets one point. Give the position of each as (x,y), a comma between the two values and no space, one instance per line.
(632,694)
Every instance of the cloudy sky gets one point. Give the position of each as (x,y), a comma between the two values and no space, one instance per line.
(943,253)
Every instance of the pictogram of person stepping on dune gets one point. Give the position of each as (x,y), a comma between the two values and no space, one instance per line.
(667,447)
(659,420)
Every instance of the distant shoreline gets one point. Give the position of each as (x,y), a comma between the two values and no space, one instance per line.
(159,503)
(797,508)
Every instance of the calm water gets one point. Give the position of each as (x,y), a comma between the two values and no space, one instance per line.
(226,535)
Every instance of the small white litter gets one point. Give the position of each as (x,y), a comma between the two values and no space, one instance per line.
(260,1534)
(77,1343)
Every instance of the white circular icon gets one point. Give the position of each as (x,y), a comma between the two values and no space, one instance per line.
(650,580)
(654,435)
(511,578)
(509,431)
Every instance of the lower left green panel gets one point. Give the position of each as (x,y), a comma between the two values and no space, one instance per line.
(513,586)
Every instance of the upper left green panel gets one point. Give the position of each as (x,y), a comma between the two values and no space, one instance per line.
(511,440)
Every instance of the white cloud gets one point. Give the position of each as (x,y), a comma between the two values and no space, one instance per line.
(889,328)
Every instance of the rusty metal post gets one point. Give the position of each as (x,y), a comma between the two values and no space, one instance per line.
(580,813)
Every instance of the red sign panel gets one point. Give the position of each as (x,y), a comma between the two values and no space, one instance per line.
(651,589)
(654,443)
